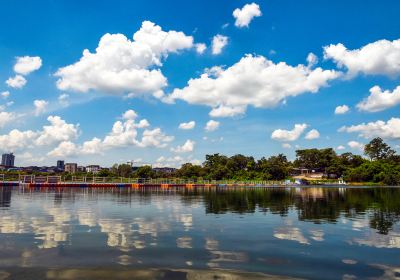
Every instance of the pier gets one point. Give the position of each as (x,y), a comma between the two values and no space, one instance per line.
(89,181)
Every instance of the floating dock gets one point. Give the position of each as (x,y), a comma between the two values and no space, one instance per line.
(120,182)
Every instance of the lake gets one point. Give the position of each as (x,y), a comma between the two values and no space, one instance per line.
(202,233)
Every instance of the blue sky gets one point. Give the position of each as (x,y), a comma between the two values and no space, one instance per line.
(255,101)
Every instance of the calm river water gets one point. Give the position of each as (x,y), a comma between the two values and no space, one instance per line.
(214,233)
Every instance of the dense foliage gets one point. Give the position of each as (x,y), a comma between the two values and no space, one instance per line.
(382,166)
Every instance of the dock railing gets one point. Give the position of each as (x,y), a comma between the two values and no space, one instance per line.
(68,179)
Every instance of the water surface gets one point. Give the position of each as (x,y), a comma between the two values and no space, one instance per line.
(212,233)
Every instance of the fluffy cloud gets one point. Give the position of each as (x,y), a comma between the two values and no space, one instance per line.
(218,43)
(201,48)
(245,15)
(120,65)
(211,125)
(5,118)
(312,60)
(94,146)
(5,94)
(122,134)
(226,111)
(16,82)
(62,134)
(386,130)
(379,100)
(58,131)
(64,149)
(343,109)
(40,106)
(289,135)
(16,139)
(155,138)
(378,58)
(188,125)
(171,161)
(254,80)
(356,145)
(312,134)
(187,147)
(340,147)
(129,115)
(27,64)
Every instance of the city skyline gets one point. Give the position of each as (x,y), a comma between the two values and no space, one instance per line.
(125,82)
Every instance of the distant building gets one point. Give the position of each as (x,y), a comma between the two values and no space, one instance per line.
(8,160)
(81,169)
(71,167)
(60,165)
(93,169)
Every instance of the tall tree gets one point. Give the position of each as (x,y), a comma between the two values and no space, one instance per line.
(378,150)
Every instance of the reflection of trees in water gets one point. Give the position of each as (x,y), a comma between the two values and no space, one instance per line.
(318,205)
(247,201)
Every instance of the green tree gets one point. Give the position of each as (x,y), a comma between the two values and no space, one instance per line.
(275,167)
(378,150)
(189,170)
(144,172)
(315,158)
(124,170)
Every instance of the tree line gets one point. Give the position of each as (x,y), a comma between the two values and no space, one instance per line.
(381,165)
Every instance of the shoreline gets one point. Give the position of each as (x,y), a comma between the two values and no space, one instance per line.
(177,185)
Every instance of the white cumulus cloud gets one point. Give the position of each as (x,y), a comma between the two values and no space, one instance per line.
(289,135)
(212,125)
(155,138)
(120,65)
(227,111)
(254,80)
(187,147)
(378,58)
(64,149)
(40,106)
(387,130)
(356,145)
(342,109)
(94,146)
(246,14)
(129,115)
(312,134)
(17,81)
(187,125)
(6,118)
(379,100)
(340,147)
(218,43)
(58,131)
(27,64)
(201,48)
(17,139)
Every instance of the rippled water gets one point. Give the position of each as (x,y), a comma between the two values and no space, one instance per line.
(178,233)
